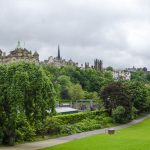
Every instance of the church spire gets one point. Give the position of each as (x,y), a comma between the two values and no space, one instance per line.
(58,52)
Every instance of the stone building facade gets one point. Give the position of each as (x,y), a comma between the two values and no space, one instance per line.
(121,74)
(19,54)
(59,61)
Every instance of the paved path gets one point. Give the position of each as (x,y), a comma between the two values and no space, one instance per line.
(52,142)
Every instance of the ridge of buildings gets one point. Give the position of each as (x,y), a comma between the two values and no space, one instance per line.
(22,54)
(19,54)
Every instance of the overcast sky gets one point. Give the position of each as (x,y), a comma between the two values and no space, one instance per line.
(116,31)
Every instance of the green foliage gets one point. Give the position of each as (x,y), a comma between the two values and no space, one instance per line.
(148,76)
(133,138)
(86,125)
(24,131)
(119,114)
(109,68)
(53,125)
(28,91)
(76,92)
(69,90)
(89,79)
(129,96)
(139,76)
(75,123)
(73,83)
(64,81)
(1,135)
(25,90)
(139,94)
(117,94)
(74,118)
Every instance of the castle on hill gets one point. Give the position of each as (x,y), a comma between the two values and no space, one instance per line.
(59,61)
(22,54)
(19,54)
(98,65)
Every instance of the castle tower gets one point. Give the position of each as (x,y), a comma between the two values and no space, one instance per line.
(98,65)
(1,52)
(87,65)
(58,53)
(36,55)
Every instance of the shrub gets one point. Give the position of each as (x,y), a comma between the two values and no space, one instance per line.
(24,131)
(69,129)
(134,112)
(53,125)
(1,135)
(40,128)
(74,118)
(86,125)
(75,123)
(119,114)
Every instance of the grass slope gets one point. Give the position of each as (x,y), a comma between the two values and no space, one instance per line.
(136,137)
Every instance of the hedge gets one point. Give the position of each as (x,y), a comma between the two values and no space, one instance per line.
(75,118)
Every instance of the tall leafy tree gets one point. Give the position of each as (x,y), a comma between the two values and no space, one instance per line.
(116,94)
(25,90)
(139,94)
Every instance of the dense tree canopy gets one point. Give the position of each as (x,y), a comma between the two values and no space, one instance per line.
(116,94)
(141,76)
(28,92)
(139,94)
(128,97)
(25,90)
(69,77)
(109,68)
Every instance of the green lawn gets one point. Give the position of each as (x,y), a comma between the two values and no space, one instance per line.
(136,137)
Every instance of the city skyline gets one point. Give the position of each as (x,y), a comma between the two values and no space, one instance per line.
(59,56)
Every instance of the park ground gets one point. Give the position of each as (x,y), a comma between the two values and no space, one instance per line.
(132,136)
(135,137)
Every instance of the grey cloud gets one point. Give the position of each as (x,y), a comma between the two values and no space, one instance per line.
(113,30)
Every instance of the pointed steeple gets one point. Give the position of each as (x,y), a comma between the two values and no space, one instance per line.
(58,52)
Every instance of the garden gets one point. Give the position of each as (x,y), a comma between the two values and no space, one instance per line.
(29,94)
(135,137)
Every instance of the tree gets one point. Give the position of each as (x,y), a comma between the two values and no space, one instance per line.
(138,76)
(109,68)
(76,92)
(25,90)
(139,94)
(116,94)
(119,114)
(65,85)
(148,76)
(65,93)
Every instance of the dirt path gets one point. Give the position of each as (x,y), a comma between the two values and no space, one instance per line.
(52,142)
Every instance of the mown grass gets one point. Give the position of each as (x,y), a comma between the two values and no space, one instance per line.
(136,137)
